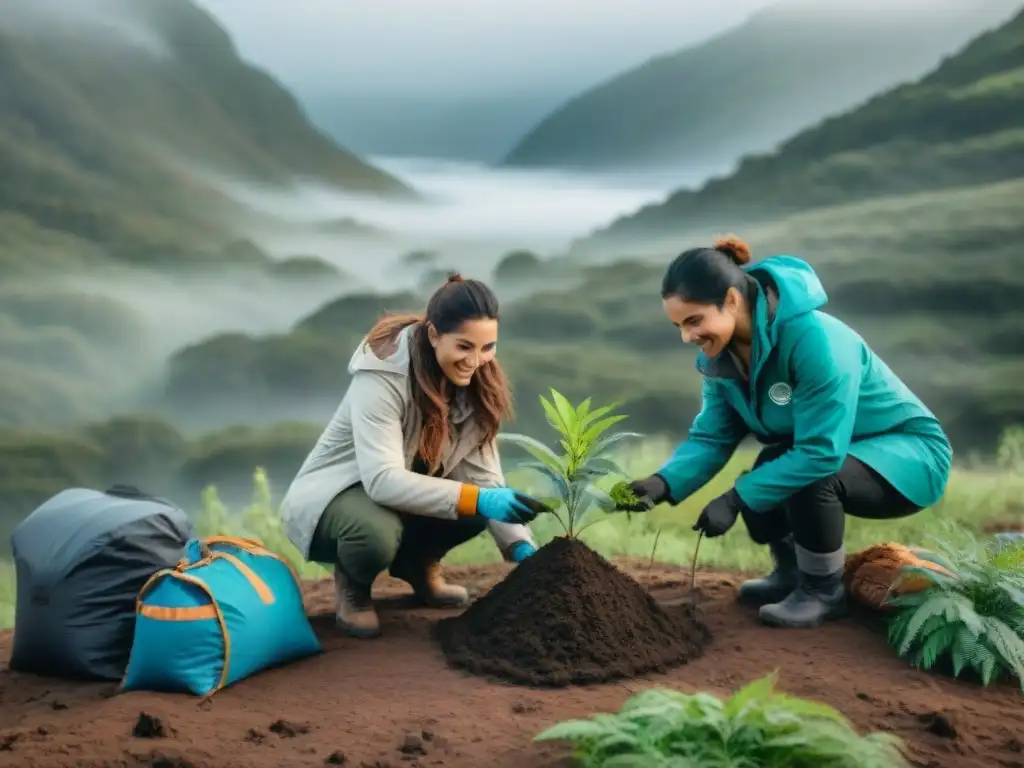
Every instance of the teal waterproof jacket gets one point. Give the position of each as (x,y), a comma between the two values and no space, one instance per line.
(815,384)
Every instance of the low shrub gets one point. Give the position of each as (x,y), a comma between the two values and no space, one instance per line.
(757,727)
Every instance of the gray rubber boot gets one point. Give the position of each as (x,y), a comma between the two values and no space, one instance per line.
(819,597)
(776,586)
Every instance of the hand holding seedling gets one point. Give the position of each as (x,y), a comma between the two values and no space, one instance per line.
(505,505)
(639,495)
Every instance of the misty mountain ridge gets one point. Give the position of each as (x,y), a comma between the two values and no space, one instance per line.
(118,117)
(959,125)
(743,91)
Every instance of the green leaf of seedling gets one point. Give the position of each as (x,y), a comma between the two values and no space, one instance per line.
(556,479)
(600,499)
(536,448)
(566,412)
(596,414)
(605,443)
(602,466)
(582,410)
(553,417)
(599,427)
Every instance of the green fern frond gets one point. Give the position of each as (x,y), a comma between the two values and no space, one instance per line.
(1008,644)
(972,650)
(935,645)
(948,607)
(975,616)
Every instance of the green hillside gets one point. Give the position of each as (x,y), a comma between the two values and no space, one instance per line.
(743,91)
(114,130)
(962,124)
(607,336)
(956,341)
(954,338)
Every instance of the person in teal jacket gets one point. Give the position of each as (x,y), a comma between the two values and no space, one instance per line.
(843,435)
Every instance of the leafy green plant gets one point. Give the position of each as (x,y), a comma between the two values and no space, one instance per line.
(757,727)
(621,493)
(973,615)
(574,476)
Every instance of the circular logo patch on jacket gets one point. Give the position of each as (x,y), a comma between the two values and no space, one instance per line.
(780,393)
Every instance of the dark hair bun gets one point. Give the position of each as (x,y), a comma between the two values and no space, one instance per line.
(734,248)
(454,277)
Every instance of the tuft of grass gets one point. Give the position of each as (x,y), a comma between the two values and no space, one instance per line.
(8,585)
(260,520)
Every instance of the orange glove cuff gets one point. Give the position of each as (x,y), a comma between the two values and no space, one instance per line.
(468,495)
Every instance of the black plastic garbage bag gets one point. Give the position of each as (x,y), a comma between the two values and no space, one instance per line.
(80,560)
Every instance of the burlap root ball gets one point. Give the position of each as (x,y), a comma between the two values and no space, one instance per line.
(870,573)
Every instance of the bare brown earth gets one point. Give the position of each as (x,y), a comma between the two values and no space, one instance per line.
(395,702)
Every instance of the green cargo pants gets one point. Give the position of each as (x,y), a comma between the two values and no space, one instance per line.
(365,538)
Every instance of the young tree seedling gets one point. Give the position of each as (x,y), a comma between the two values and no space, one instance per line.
(586,443)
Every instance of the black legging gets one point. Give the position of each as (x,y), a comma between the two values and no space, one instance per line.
(816,514)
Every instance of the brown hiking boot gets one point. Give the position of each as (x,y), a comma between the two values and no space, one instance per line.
(429,585)
(354,614)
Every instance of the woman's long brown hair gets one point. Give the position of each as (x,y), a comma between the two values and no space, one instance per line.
(489,392)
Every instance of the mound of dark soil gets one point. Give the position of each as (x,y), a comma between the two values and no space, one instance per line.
(567,616)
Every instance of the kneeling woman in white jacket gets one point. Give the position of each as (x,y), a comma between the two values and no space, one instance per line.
(408,468)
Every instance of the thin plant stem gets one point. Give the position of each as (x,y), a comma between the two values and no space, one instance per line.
(657,535)
(693,570)
(592,522)
(561,522)
(574,516)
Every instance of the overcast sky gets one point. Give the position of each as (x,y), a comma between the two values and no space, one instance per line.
(468,78)
(467,46)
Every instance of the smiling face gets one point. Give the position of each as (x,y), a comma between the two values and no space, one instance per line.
(705,325)
(462,352)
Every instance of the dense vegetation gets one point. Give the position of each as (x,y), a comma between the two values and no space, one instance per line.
(751,87)
(114,135)
(958,126)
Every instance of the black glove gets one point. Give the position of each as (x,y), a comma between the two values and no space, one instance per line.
(720,514)
(650,492)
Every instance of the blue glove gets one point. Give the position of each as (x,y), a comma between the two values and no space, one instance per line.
(505,505)
(520,551)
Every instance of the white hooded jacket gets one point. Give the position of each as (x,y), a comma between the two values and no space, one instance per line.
(373,439)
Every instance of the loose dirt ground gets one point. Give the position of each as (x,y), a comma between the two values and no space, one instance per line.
(394,702)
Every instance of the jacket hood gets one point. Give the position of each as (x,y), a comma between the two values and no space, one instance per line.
(796,286)
(364,358)
(398,362)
